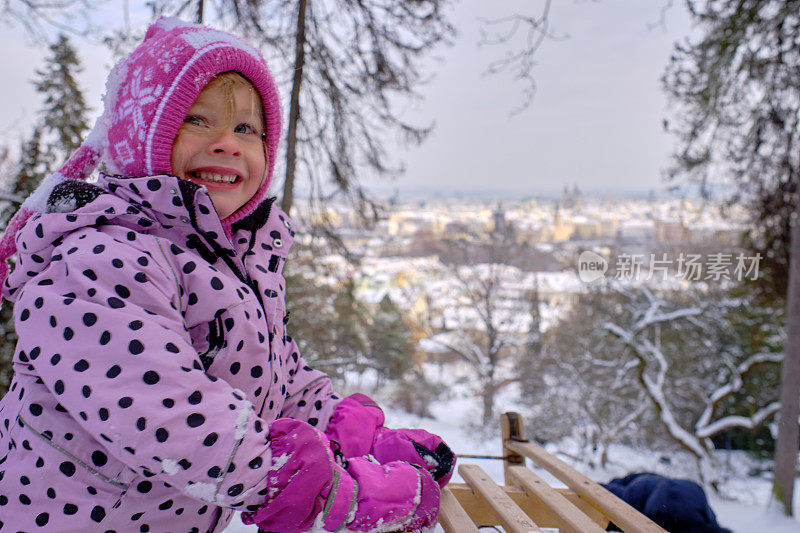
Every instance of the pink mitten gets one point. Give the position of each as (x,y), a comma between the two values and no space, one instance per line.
(415,446)
(357,427)
(393,497)
(308,489)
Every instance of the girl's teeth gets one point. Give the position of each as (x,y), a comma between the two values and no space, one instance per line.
(209,176)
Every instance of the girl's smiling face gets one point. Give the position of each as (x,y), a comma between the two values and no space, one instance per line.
(221,143)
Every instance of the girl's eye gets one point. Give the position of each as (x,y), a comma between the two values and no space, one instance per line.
(245,128)
(194,120)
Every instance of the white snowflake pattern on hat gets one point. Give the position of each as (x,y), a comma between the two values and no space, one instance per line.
(141,95)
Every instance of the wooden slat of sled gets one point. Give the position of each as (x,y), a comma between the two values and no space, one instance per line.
(453,517)
(572,518)
(479,511)
(511,517)
(622,514)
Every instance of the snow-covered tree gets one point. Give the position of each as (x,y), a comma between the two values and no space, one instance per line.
(689,363)
(736,85)
(491,322)
(599,401)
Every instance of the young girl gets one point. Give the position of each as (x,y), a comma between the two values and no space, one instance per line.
(156,388)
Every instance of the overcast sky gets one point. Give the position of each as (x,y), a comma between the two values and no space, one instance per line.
(594,122)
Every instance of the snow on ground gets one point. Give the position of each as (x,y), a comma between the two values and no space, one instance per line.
(743,504)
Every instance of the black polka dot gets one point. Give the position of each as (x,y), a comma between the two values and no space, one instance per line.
(59,387)
(67,468)
(235,490)
(151,377)
(81,366)
(153,184)
(35,409)
(195,419)
(70,509)
(42,519)
(99,458)
(216,284)
(168,402)
(89,319)
(135,347)
(210,439)
(196,397)
(256,371)
(189,267)
(105,338)
(115,303)
(98,513)
(113,372)
(122,291)
(144,487)
(125,402)
(98,249)
(162,434)
(103,414)
(171,348)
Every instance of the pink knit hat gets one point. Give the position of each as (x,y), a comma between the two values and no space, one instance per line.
(147,97)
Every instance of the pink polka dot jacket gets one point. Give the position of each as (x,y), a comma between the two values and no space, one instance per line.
(153,353)
(156,388)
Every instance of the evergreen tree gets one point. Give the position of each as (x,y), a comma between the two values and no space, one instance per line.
(65,112)
(34,163)
(59,132)
(391,340)
(351,318)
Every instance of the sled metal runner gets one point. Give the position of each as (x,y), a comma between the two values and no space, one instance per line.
(526,503)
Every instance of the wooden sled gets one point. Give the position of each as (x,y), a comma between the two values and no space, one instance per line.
(526,503)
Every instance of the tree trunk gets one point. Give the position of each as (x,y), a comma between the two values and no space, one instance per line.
(788,441)
(198,16)
(488,403)
(294,108)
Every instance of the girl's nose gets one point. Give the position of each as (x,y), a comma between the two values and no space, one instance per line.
(225,142)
